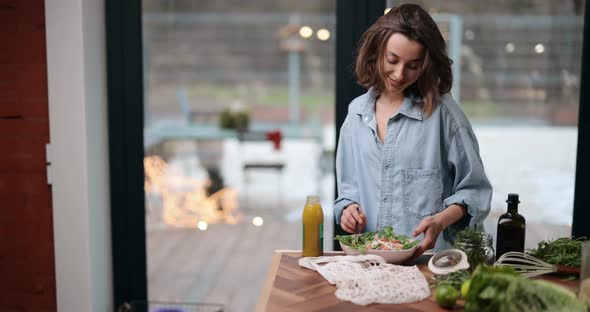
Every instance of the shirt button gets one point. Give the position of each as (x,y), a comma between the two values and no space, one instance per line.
(384,199)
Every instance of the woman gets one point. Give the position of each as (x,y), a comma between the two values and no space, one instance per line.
(407,156)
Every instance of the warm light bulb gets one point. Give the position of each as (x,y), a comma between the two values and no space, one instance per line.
(323,34)
(257,221)
(305,31)
(202,225)
(510,47)
(539,48)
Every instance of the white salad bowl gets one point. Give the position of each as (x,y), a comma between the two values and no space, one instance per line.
(390,256)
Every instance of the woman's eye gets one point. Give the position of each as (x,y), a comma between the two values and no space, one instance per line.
(413,66)
(392,62)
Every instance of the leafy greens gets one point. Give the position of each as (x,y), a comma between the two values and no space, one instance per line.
(562,251)
(502,289)
(367,240)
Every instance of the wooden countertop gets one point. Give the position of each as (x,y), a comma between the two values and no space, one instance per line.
(289,287)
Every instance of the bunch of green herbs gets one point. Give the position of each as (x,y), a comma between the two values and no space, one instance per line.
(471,241)
(562,251)
(455,279)
(502,289)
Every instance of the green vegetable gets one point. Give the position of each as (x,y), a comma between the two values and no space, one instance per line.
(454,279)
(471,241)
(359,241)
(446,296)
(562,251)
(362,242)
(465,288)
(469,236)
(503,290)
(409,245)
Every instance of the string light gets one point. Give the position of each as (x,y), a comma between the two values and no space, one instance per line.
(257,221)
(323,34)
(305,31)
(510,47)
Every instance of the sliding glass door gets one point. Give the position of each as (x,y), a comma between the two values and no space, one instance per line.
(239,129)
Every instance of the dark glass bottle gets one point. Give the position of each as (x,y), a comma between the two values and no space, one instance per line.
(511,229)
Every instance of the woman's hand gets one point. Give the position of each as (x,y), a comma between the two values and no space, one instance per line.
(433,225)
(353,220)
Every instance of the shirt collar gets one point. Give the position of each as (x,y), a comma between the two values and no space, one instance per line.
(411,107)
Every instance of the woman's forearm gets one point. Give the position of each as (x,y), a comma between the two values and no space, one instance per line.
(452,214)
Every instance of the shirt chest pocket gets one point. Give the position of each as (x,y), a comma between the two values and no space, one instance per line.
(422,192)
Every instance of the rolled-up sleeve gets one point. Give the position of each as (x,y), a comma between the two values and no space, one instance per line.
(347,184)
(470,188)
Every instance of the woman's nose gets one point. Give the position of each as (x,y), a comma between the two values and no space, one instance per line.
(398,73)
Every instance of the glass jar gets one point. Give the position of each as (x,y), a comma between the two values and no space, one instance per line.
(478,248)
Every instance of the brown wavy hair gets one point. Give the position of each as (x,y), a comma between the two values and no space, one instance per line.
(414,22)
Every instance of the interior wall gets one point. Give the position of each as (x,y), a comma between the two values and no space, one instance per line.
(26,227)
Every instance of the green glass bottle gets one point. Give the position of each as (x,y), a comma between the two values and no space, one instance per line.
(511,229)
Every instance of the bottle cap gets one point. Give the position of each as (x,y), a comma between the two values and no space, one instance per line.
(512,198)
(313,199)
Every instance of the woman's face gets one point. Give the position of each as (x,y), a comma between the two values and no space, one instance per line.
(402,62)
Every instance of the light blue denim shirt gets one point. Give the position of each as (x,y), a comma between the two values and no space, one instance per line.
(424,165)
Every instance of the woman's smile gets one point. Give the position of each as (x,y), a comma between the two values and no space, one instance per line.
(396,83)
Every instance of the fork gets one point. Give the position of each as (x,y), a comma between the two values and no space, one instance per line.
(359,210)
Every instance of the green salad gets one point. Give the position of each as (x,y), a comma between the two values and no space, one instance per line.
(385,239)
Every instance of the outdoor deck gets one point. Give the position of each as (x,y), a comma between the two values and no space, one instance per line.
(224,264)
